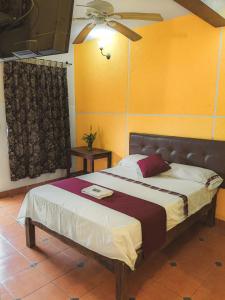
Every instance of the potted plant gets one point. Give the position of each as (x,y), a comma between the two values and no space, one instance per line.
(89,139)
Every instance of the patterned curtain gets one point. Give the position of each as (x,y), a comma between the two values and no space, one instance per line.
(15,8)
(4,6)
(37,115)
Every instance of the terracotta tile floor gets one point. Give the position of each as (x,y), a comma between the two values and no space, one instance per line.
(191,268)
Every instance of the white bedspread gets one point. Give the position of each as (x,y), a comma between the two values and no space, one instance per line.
(101,229)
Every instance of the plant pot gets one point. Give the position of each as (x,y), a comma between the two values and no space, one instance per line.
(90,147)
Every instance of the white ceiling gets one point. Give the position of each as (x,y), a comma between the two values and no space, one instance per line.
(217,5)
(167,8)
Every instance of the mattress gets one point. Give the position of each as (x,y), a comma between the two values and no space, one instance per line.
(101,229)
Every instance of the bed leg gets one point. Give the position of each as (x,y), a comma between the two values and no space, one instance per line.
(211,216)
(30,233)
(121,272)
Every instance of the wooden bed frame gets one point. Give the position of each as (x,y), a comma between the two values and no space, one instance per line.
(203,153)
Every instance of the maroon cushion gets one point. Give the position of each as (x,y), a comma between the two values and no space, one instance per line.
(153,165)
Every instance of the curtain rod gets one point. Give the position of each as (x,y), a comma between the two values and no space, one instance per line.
(46,62)
(42,61)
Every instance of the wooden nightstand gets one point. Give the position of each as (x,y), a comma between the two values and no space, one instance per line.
(88,155)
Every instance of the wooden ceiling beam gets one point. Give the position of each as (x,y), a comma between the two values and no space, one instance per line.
(203,11)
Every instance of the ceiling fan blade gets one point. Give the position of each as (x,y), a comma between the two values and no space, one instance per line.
(84,33)
(139,16)
(130,34)
(74,19)
(81,5)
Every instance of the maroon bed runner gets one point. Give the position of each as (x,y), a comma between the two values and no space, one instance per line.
(152,216)
(153,187)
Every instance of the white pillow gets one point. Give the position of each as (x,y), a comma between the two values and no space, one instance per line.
(130,161)
(205,176)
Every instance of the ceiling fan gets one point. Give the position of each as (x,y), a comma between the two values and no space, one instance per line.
(102,12)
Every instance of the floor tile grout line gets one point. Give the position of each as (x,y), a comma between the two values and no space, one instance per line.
(59,287)
(62,275)
(27,259)
(17,250)
(50,281)
(176,292)
(53,282)
(19,254)
(200,285)
(28,293)
(197,288)
(8,290)
(168,288)
(30,261)
(73,295)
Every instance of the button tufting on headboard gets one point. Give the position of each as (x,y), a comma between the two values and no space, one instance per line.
(196,152)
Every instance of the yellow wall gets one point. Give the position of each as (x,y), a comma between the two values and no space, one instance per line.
(171,82)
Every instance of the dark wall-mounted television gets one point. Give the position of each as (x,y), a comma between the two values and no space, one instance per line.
(32,28)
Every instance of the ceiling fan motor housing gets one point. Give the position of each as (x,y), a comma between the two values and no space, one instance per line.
(101,7)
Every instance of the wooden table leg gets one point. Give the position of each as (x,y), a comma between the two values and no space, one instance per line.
(69,163)
(109,161)
(30,233)
(121,272)
(92,165)
(85,165)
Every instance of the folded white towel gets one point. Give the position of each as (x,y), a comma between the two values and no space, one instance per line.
(97,192)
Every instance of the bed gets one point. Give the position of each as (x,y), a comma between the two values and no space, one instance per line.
(115,239)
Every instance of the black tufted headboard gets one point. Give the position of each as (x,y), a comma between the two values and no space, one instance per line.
(208,154)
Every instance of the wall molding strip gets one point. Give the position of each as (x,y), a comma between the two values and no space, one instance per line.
(128,95)
(218,72)
(153,115)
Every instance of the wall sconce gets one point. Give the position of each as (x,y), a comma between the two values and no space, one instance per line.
(102,44)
